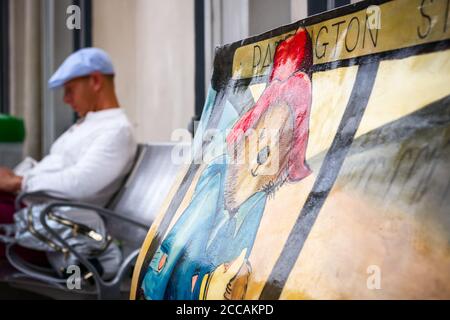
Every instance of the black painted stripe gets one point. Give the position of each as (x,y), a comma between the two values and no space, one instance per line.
(328,173)
(168,216)
(224,55)
(395,54)
(400,53)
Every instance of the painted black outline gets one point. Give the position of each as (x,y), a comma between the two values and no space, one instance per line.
(329,171)
(165,222)
(222,75)
(224,55)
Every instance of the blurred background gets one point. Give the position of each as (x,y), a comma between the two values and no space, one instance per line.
(162,51)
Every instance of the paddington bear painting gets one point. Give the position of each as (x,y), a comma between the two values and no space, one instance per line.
(320,166)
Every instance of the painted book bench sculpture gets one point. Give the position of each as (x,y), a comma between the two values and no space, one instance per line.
(321,166)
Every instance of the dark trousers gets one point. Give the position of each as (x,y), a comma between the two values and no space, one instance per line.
(6,207)
(6,217)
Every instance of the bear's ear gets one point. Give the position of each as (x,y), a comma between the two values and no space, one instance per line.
(291,55)
(241,126)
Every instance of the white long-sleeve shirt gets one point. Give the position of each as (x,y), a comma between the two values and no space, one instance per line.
(89,161)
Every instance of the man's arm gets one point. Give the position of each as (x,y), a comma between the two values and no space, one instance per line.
(99,166)
(9,182)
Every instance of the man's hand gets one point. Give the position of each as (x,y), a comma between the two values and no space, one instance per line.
(9,182)
(5,172)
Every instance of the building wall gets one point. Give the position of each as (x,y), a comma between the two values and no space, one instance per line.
(152,46)
(299,9)
(265,15)
(25,71)
(227,21)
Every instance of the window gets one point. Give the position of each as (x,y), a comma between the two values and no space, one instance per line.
(318,6)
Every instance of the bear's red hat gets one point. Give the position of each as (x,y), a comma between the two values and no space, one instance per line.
(289,83)
(291,55)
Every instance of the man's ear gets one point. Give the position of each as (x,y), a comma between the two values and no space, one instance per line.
(96,81)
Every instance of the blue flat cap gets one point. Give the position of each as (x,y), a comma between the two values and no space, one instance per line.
(81,63)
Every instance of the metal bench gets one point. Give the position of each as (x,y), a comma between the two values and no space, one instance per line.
(128,217)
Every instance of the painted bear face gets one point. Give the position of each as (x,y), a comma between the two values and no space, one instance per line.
(260,159)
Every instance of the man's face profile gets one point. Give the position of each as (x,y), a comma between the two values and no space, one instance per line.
(80,94)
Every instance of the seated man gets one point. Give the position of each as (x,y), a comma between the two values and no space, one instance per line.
(88,162)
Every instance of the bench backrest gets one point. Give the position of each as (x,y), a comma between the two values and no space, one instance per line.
(144,190)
